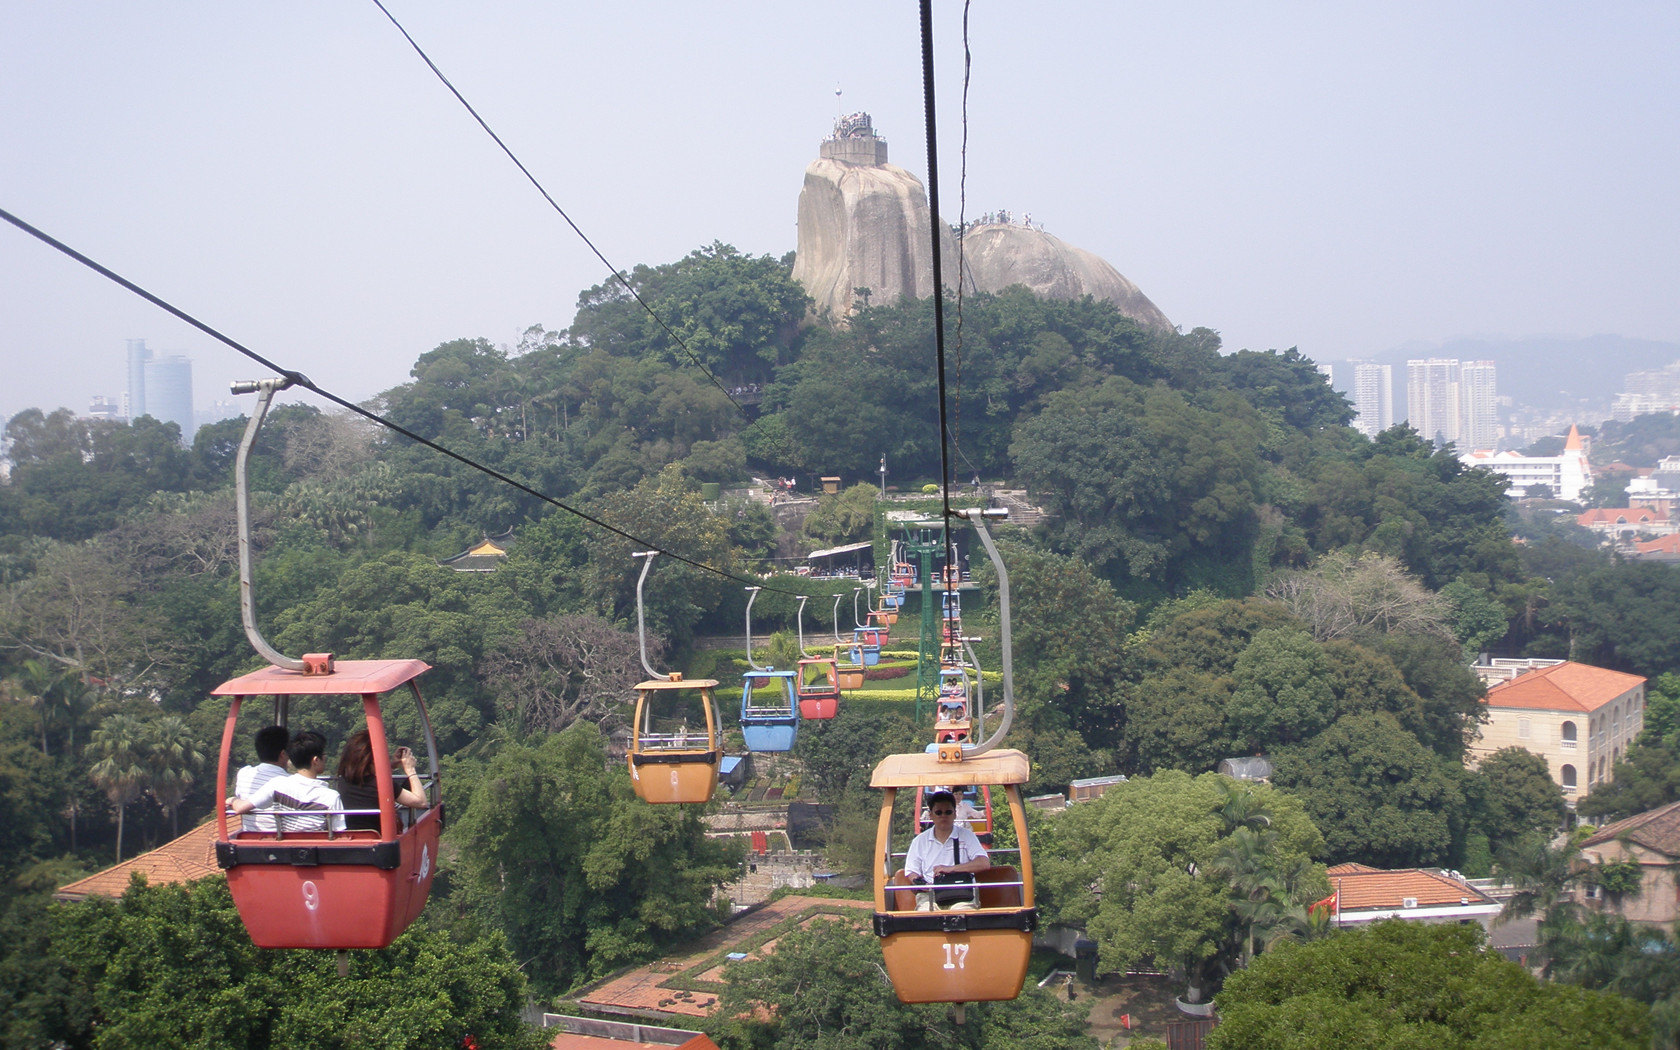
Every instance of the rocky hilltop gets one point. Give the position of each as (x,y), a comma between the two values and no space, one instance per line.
(864,223)
(1000,254)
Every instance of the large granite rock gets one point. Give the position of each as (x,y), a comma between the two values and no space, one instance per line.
(865,226)
(1003,254)
(864,223)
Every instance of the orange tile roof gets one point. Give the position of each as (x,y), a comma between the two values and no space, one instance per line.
(190,857)
(1657,829)
(1568,686)
(1374,888)
(1348,868)
(1609,516)
(1669,544)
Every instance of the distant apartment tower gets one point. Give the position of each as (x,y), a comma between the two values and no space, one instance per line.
(1432,398)
(1449,400)
(104,408)
(1373,397)
(1478,420)
(138,355)
(168,392)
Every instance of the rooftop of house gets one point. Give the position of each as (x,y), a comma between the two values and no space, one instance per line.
(1568,686)
(1618,516)
(1363,888)
(1669,544)
(1657,829)
(190,857)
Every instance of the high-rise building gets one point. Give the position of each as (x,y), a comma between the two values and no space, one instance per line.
(138,355)
(101,407)
(1478,420)
(1432,398)
(168,392)
(1452,400)
(1373,397)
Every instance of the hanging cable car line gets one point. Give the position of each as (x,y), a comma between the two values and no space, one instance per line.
(938,269)
(616,273)
(294,378)
(962,228)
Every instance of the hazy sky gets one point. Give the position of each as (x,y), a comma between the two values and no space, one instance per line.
(1341,177)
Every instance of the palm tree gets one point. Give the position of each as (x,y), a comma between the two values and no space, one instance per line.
(1541,874)
(36,685)
(78,699)
(1242,807)
(118,749)
(173,759)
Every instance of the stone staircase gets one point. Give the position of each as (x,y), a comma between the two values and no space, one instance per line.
(1022,511)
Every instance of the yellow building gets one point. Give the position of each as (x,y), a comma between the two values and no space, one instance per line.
(1579,718)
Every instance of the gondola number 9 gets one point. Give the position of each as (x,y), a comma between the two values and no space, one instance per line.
(312,900)
(956,956)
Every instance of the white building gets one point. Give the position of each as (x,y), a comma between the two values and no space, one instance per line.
(1432,398)
(1452,400)
(1478,417)
(1568,474)
(1373,397)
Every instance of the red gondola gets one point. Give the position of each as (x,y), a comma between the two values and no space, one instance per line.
(324,889)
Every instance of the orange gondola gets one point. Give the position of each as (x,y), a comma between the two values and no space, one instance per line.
(978,949)
(669,760)
(976,955)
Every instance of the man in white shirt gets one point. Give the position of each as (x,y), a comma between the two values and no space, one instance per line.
(271,749)
(944,847)
(307,804)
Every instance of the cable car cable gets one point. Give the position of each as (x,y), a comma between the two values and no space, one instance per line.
(299,379)
(938,275)
(616,273)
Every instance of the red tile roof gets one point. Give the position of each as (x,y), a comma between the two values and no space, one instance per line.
(1374,888)
(190,857)
(1657,829)
(1568,686)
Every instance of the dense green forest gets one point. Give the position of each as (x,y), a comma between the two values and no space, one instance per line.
(1226,569)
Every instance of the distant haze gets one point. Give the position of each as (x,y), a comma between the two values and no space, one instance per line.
(1546,373)
(1345,178)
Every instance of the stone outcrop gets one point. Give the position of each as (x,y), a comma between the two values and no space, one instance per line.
(864,223)
(999,255)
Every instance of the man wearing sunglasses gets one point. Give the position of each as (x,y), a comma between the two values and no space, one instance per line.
(944,848)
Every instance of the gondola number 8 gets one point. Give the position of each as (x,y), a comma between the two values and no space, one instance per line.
(956,956)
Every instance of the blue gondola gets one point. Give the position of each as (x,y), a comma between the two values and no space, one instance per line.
(866,646)
(770,710)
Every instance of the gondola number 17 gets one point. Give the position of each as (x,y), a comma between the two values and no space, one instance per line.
(956,955)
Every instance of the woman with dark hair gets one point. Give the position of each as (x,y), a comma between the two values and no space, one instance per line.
(359,791)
